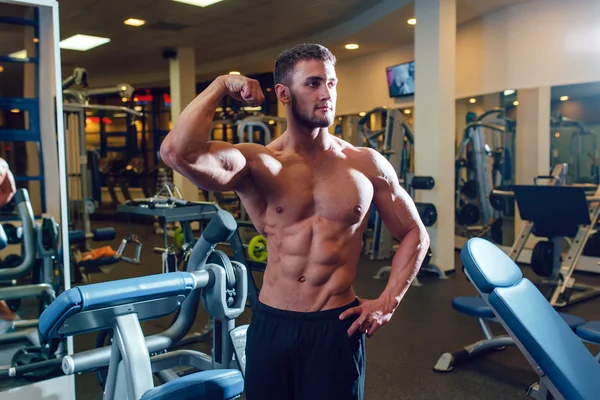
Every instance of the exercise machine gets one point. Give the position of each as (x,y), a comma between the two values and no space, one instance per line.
(121,306)
(211,275)
(566,212)
(484,161)
(39,259)
(171,210)
(566,368)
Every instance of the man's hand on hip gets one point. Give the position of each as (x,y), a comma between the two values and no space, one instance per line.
(372,314)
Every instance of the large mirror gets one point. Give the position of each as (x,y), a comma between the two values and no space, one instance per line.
(485,161)
(575,131)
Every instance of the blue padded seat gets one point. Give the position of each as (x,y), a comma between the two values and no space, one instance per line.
(206,385)
(475,306)
(110,294)
(533,321)
(589,331)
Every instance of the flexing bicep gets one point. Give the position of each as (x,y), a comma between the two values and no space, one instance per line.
(219,167)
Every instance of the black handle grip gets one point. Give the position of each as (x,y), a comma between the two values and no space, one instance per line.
(423,182)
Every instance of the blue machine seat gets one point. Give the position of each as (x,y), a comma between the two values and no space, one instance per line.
(589,331)
(110,294)
(545,336)
(475,306)
(206,385)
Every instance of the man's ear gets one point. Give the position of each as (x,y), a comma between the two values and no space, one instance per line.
(283,93)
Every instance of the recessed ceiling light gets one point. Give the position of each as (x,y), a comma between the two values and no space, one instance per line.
(198,3)
(516,103)
(234,73)
(508,92)
(15,110)
(351,46)
(1,68)
(407,111)
(82,42)
(564,98)
(412,21)
(19,54)
(362,114)
(472,100)
(134,22)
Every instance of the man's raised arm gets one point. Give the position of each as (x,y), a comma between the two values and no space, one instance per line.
(211,165)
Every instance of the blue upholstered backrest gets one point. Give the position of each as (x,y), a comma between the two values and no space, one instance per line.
(533,321)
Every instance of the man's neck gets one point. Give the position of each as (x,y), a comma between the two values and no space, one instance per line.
(303,140)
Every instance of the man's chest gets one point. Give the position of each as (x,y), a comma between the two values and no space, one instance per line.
(335,190)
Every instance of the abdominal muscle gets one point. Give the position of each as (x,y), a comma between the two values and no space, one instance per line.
(311,265)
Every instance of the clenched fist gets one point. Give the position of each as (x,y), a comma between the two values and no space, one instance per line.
(243,89)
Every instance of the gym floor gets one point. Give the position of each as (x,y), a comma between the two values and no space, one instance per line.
(400,356)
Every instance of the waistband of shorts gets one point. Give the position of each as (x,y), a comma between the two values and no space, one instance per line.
(330,314)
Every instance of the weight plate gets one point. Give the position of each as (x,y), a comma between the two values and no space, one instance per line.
(469,189)
(542,259)
(220,258)
(468,215)
(257,248)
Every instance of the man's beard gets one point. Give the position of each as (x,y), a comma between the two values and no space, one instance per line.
(310,120)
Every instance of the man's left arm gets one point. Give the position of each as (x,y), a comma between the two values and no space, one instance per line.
(399,214)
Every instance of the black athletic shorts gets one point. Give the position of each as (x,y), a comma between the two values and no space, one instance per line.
(303,356)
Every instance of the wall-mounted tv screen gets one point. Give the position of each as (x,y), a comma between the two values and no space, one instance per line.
(401,79)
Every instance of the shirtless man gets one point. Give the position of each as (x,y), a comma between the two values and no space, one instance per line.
(310,194)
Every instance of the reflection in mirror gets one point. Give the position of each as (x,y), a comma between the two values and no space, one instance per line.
(31,270)
(574,128)
(485,161)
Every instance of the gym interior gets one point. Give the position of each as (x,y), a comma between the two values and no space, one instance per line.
(487,110)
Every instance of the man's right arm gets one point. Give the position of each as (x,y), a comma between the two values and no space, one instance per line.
(211,165)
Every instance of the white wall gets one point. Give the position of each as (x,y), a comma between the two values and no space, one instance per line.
(529,45)
(533,44)
(363,82)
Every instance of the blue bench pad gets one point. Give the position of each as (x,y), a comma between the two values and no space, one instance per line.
(502,272)
(206,385)
(110,294)
(589,331)
(545,335)
(475,306)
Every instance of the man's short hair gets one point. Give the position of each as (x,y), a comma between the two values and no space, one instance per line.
(285,63)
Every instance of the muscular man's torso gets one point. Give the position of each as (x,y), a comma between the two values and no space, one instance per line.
(313,210)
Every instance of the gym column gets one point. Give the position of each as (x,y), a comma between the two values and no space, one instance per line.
(533,138)
(182,73)
(435,44)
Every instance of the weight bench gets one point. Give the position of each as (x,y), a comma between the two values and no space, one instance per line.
(120,306)
(566,368)
(475,306)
